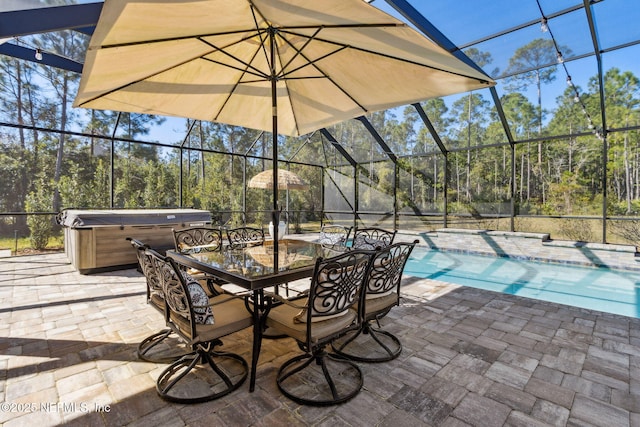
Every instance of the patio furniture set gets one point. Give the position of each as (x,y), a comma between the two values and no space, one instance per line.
(209,287)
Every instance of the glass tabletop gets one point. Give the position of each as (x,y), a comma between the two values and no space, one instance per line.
(251,263)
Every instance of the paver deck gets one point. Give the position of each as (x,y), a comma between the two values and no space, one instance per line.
(470,358)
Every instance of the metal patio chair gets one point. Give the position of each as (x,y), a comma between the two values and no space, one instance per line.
(245,236)
(316,377)
(335,235)
(153,348)
(200,321)
(382,293)
(200,239)
(197,239)
(372,238)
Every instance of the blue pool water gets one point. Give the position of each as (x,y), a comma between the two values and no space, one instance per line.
(603,289)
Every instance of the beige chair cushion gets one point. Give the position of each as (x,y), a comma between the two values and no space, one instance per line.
(194,272)
(282,319)
(301,316)
(231,316)
(380,304)
(380,295)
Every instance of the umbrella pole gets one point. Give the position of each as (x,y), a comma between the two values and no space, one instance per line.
(274,111)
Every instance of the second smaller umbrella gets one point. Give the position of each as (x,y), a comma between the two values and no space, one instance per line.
(286,180)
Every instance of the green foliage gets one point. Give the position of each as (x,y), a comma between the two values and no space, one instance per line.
(41,226)
(553,177)
(85,184)
(565,195)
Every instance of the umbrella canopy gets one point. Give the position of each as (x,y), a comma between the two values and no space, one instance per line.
(286,180)
(216,60)
(284,66)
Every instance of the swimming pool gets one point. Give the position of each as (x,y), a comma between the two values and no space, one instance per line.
(602,289)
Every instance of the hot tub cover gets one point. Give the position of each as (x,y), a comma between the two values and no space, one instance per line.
(74,218)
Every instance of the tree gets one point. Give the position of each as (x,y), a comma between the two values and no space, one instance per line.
(72,45)
(429,189)
(533,63)
(481,59)
(472,113)
(521,117)
(622,90)
(19,102)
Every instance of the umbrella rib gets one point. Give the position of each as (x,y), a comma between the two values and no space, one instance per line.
(238,82)
(261,33)
(309,63)
(225,33)
(247,70)
(298,52)
(257,72)
(248,65)
(136,81)
(262,36)
(373,25)
(385,55)
(407,61)
(170,39)
(313,64)
(341,46)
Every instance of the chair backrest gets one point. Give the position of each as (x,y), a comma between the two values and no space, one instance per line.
(186,300)
(245,236)
(385,273)
(336,286)
(197,238)
(154,286)
(334,235)
(372,238)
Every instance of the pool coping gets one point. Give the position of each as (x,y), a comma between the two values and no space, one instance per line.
(538,247)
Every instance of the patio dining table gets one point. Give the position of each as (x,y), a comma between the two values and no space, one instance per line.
(252,268)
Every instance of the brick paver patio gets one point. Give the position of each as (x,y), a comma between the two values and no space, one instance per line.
(471,357)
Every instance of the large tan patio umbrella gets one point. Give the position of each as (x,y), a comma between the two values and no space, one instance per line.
(284,66)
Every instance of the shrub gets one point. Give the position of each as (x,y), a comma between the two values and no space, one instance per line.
(575,229)
(40,226)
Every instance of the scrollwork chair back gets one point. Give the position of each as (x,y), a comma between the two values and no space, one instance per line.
(373,238)
(197,238)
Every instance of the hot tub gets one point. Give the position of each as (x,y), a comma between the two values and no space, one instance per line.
(95,240)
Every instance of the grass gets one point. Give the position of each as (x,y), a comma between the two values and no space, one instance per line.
(23,245)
